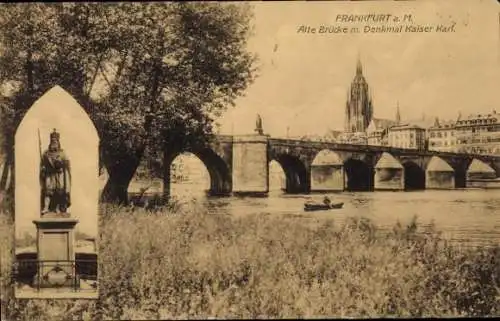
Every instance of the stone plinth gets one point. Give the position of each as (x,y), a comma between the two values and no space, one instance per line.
(250,165)
(56,251)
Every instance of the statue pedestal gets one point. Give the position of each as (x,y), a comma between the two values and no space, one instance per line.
(56,254)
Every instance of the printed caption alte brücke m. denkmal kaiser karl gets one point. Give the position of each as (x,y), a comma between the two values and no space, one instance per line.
(336,29)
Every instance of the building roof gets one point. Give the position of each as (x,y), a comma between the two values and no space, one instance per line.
(422,122)
(478,119)
(388,161)
(483,116)
(478,166)
(443,124)
(438,165)
(327,157)
(380,124)
(406,126)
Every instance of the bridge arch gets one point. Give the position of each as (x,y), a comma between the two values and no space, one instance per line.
(358,175)
(218,171)
(297,178)
(414,176)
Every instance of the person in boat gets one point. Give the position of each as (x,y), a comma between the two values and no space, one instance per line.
(327,200)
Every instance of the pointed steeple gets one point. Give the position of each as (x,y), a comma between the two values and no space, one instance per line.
(360,108)
(459,115)
(398,115)
(436,122)
(359,67)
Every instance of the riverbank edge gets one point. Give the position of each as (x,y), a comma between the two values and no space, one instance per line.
(182,263)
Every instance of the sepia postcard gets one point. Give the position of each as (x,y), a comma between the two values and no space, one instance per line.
(294,159)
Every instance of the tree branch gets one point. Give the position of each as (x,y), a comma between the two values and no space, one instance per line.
(98,67)
(119,72)
(103,72)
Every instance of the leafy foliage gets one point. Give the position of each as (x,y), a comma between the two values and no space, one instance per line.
(185,263)
(151,76)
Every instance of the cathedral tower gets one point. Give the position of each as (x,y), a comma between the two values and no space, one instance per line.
(359,108)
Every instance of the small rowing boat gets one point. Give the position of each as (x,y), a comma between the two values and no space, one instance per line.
(309,206)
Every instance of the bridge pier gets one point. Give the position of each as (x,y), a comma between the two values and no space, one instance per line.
(327,172)
(250,165)
(327,178)
(389,174)
(439,174)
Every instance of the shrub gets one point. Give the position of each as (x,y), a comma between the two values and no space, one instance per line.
(186,263)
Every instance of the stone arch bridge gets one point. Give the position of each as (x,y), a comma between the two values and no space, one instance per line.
(240,165)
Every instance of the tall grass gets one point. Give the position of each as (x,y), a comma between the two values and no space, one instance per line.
(185,263)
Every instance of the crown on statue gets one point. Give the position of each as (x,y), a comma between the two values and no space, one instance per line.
(54,134)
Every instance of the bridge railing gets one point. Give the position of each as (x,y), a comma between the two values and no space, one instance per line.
(35,272)
(365,147)
(373,148)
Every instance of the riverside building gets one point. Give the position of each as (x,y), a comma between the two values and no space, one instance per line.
(407,136)
(442,136)
(479,134)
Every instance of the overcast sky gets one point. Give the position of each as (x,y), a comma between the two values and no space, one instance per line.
(304,78)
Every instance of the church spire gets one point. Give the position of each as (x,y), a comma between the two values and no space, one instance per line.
(398,115)
(359,67)
(359,108)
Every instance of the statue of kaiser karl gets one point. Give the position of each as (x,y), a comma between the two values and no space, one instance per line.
(55,177)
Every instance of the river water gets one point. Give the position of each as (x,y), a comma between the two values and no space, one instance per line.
(470,217)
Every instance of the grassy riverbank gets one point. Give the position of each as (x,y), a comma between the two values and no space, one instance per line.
(190,264)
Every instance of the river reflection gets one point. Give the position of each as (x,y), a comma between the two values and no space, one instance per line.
(468,217)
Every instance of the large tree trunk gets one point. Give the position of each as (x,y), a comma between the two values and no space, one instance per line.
(120,174)
(7,185)
(7,169)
